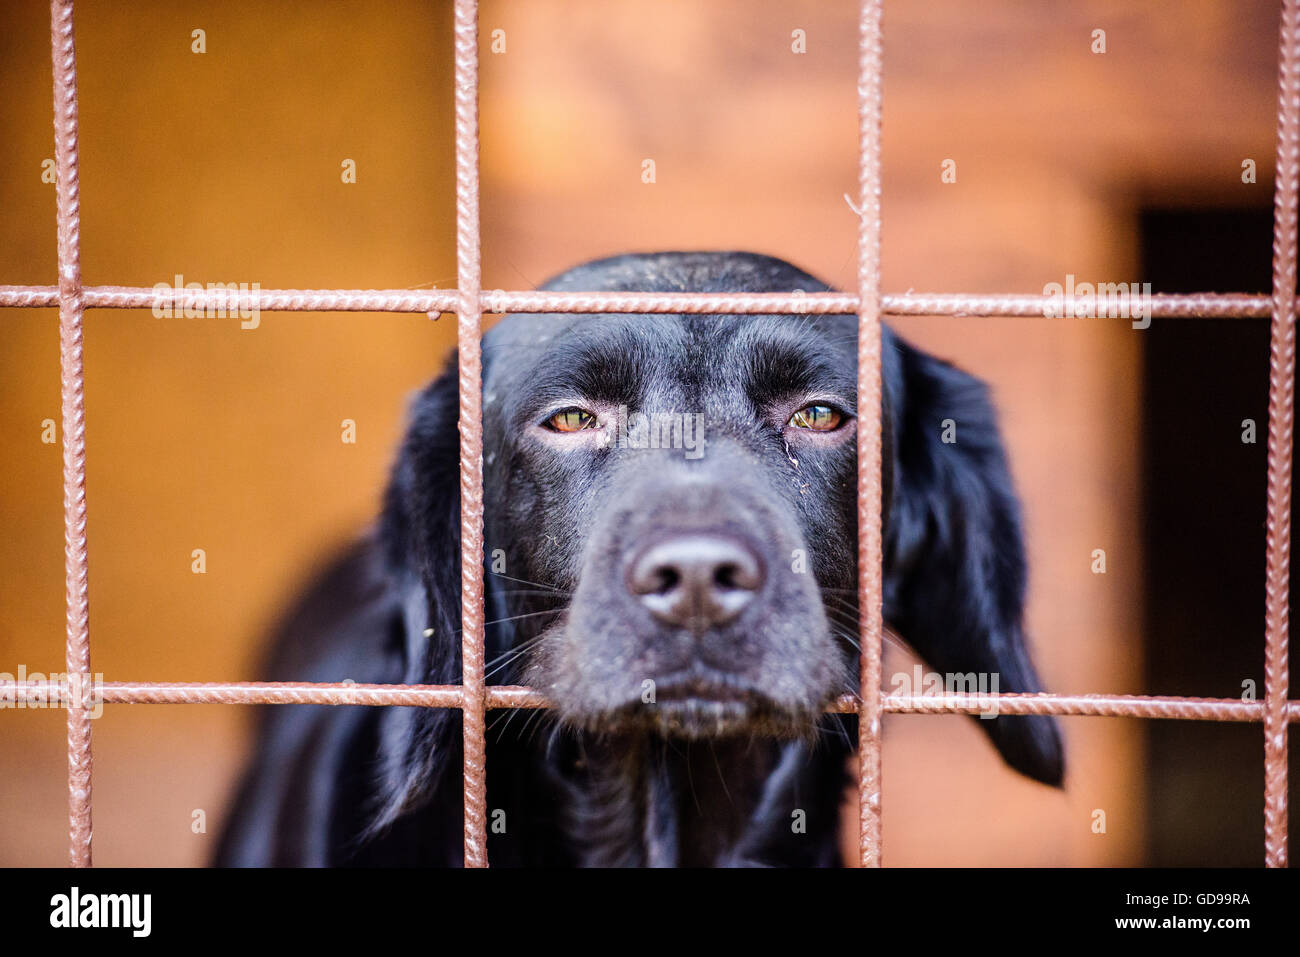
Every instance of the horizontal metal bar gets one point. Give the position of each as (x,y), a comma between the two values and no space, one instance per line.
(1098,705)
(230,301)
(518,696)
(1206,305)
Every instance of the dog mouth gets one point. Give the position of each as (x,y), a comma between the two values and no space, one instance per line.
(703,690)
(602,691)
(695,706)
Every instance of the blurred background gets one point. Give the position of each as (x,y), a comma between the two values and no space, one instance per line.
(227,166)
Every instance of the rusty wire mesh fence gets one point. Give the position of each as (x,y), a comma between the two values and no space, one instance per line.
(469,302)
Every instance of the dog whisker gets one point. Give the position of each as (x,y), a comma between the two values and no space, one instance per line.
(547,593)
(509,657)
(525,581)
(514,649)
(500,621)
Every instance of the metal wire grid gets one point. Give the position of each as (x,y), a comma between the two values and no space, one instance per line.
(469,301)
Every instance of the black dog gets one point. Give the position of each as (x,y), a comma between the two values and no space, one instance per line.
(671,558)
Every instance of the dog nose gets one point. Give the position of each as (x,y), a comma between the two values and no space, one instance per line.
(696,581)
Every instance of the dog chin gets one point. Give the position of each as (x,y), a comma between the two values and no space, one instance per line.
(701,713)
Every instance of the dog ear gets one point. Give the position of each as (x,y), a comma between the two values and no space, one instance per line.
(954,548)
(420,533)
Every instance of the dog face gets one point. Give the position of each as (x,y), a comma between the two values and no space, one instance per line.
(671,524)
(690,483)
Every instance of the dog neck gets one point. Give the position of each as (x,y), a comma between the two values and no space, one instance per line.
(650,802)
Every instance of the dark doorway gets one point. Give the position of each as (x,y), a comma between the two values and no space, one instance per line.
(1203,524)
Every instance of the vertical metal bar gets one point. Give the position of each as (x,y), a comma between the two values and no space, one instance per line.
(71,314)
(1281,425)
(469,315)
(870,548)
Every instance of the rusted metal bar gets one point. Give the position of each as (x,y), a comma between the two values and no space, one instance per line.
(71,345)
(870,547)
(1207,305)
(469,345)
(1281,426)
(53,692)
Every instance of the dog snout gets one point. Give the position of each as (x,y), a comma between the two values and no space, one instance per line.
(696,581)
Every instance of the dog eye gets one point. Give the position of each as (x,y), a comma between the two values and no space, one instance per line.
(571,420)
(817,418)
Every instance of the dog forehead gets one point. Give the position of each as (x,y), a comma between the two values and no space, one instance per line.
(658,355)
(702,271)
(655,356)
